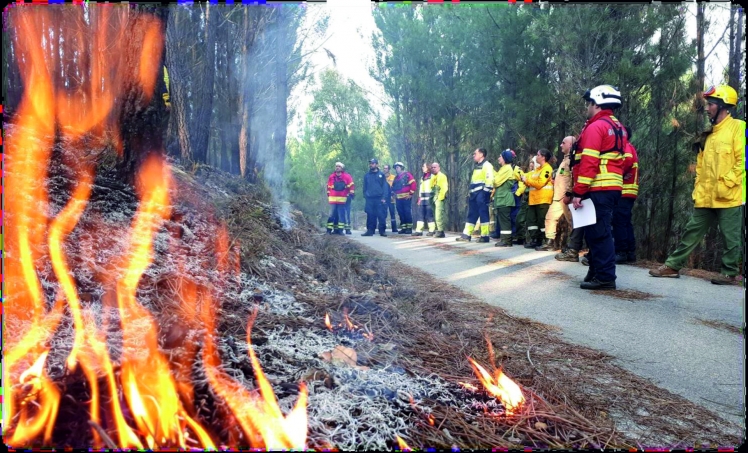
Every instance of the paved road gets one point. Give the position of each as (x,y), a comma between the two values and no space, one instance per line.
(659,338)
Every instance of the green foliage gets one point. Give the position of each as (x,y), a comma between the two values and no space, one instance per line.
(340,126)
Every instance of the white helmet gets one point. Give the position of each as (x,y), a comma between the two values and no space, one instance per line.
(399,164)
(604,95)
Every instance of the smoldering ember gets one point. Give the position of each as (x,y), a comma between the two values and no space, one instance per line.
(168,172)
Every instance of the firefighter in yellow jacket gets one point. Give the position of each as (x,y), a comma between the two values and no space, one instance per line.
(561,185)
(719,190)
(481,186)
(440,187)
(541,195)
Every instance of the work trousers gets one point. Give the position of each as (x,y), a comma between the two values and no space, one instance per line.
(477,209)
(504,222)
(513,215)
(536,220)
(393,220)
(404,210)
(427,216)
(602,256)
(336,220)
(348,213)
(376,211)
(730,222)
(440,214)
(557,209)
(521,221)
(576,239)
(623,230)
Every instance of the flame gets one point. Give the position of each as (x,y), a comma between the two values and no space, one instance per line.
(401,443)
(259,416)
(500,386)
(327,321)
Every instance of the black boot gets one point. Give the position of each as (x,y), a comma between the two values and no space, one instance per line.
(631,257)
(430,233)
(348,231)
(463,238)
(417,233)
(621,258)
(532,244)
(484,239)
(590,276)
(597,284)
(383,234)
(546,247)
(368,233)
(440,234)
(518,241)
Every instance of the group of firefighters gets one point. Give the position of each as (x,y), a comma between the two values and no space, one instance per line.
(599,165)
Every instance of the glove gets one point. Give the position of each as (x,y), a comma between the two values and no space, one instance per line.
(351,196)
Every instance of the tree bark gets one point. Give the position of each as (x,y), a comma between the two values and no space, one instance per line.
(142,122)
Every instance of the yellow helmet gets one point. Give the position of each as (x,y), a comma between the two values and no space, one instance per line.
(724,93)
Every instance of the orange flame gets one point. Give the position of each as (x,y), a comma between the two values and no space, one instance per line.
(327,321)
(402,444)
(500,386)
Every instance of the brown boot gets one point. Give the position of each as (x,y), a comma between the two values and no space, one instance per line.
(547,246)
(568,255)
(664,271)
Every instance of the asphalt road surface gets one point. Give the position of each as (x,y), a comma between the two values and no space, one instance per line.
(657,333)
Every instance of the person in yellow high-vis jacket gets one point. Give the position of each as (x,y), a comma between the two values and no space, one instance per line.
(541,196)
(440,187)
(718,192)
(425,203)
(481,186)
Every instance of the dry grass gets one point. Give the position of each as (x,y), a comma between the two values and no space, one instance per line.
(720,325)
(627,294)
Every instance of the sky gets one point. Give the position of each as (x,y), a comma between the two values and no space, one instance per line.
(352,24)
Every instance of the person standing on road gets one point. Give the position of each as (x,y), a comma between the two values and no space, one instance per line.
(561,184)
(503,198)
(576,238)
(425,203)
(348,201)
(541,196)
(391,204)
(600,179)
(623,230)
(339,186)
(404,186)
(719,190)
(481,186)
(440,187)
(376,193)
(518,225)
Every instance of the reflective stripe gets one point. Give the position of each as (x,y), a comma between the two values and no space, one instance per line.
(591,152)
(476,189)
(400,196)
(337,200)
(584,180)
(532,228)
(506,231)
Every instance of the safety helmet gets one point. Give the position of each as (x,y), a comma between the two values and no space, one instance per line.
(604,96)
(723,93)
(399,164)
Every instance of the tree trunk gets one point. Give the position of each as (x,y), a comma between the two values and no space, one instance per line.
(244,99)
(204,99)
(142,122)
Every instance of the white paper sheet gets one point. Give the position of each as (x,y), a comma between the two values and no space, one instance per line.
(583,216)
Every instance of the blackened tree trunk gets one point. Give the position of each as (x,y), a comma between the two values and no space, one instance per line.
(143,116)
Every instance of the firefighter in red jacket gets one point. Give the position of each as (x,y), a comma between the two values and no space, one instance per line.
(404,186)
(599,177)
(623,230)
(339,186)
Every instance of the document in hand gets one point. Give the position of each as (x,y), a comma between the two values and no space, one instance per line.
(583,216)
